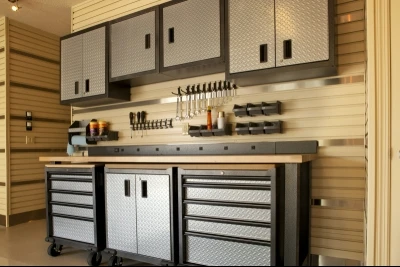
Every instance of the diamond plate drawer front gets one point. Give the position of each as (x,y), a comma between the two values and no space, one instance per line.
(236,213)
(197,32)
(226,229)
(71,176)
(65,210)
(72,186)
(121,213)
(94,62)
(212,252)
(231,195)
(306,23)
(153,216)
(73,229)
(252,24)
(73,199)
(219,181)
(71,67)
(128,51)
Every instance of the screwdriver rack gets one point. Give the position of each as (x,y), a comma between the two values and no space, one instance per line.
(141,124)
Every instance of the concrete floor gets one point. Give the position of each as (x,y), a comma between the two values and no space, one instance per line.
(24,245)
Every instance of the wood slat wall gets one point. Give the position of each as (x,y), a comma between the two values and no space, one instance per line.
(36,68)
(3,78)
(332,112)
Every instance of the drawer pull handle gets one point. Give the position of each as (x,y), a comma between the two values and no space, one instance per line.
(287,49)
(144,189)
(171,35)
(264,53)
(87,86)
(148,41)
(127,188)
(77,88)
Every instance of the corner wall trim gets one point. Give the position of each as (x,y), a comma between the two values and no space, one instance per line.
(16,219)
(2,220)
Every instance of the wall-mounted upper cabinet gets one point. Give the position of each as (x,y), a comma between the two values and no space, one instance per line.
(280,40)
(84,64)
(192,37)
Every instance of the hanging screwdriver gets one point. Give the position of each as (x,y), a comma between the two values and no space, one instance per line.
(143,121)
(138,121)
(131,120)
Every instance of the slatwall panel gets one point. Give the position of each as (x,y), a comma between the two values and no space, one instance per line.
(35,85)
(332,112)
(3,170)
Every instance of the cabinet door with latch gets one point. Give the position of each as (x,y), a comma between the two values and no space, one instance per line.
(153,216)
(121,212)
(94,62)
(133,45)
(302,31)
(251,35)
(71,68)
(191,31)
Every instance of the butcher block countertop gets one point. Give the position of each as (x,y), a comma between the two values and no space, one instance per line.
(242,159)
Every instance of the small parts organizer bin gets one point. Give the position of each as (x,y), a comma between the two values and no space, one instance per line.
(201,131)
(257,109)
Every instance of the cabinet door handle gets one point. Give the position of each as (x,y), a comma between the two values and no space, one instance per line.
(87,86)
(127,188)
(148,41)
(77,88)
(144,189)
(287,49)
(263,53)
(171,35)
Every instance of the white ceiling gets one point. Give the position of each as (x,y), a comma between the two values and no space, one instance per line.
(52,16)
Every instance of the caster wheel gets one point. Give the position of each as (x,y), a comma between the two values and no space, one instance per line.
(115,261)
(53,250)
(94,259)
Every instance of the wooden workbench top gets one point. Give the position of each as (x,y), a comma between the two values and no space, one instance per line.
(242,159)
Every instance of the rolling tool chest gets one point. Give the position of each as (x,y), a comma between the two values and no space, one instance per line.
(231,218)
(75,209)
(140,215)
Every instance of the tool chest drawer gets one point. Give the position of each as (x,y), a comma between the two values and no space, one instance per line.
(258,214)
(230,229)
(75,208)
(231,217)
(73,211)
(214,252)
(72,198)
(77,230)
(228,194)
(72,186)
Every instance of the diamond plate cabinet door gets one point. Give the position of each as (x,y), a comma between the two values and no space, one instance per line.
(121,212)
(303,28)
(153,216)
(133,45)
(94,62)
(252,35)
(71,68)
(193,40)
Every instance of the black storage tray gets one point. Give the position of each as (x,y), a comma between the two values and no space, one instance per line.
(271,108)
(255,110)
(265,127)
(201,131)
(110,136)
(240,111)
(242,128)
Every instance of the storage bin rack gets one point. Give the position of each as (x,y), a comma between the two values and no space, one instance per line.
(75,209)
(201,131)
(231,217)
(258,109)
(253,128)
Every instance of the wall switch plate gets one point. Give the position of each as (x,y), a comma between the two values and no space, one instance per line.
(30,140)
(28,116)
(185,128)
(29,126)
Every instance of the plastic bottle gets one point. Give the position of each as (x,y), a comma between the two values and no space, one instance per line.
(209,119)
(221,120)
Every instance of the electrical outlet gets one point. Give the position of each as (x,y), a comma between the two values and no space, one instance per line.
(185,128)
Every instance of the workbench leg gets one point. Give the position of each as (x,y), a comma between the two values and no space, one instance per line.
(297,214)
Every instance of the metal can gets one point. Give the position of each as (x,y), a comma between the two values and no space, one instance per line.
(94,128)
(103,128)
